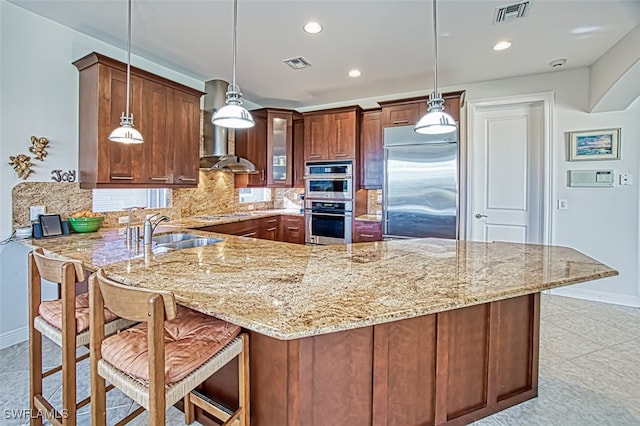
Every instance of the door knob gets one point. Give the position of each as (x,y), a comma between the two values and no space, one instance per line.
(480,216)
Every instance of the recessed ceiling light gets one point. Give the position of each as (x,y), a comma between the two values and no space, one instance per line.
(312,27)
(355,73)
(502,45)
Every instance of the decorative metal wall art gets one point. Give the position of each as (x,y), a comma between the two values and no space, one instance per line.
(39,147)
(22,165)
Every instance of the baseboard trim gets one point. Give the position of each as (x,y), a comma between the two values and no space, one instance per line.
(598,296)
(13,337)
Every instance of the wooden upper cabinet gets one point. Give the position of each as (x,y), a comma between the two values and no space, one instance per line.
(298,151)
(452,104)
(407,112)
(269,145)
(186,138)
(371,150)
(158,138)
(251,144)
(279,148)
(332,134)
(125,161)
(315,137)
(165,113)
(404,112)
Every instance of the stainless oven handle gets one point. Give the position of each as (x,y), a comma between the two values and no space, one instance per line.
(328,176)
(331,214)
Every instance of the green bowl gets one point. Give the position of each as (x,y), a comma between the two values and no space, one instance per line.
(85,224)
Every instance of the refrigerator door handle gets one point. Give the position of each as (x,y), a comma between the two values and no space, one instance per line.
(480,216)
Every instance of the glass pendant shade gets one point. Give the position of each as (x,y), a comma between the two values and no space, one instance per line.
(126,133)
(435,121)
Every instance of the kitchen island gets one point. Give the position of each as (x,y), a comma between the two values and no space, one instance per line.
(404,332)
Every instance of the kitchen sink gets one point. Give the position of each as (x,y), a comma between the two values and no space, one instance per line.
(182,240)
(189,243)
(173,238)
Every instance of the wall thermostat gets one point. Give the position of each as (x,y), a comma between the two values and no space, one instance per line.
(590,178)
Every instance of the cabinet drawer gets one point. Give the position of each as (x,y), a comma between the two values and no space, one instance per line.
(366,231)
(292,229)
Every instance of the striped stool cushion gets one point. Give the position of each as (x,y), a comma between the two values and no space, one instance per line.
(189,340)
(51,312)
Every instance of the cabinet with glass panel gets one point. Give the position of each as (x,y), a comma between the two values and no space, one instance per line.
(269,145)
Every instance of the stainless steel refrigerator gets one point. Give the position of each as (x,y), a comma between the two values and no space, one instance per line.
(420,193)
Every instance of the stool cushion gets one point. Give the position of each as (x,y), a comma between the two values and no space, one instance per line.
(51,312)
(190,339)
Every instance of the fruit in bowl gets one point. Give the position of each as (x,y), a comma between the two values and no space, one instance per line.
(85,221)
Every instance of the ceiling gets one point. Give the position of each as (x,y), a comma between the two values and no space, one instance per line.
(390,41)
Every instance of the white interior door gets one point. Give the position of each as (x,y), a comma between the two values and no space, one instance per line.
(506,149)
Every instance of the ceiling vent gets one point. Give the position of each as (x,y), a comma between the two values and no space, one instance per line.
(512,12)
(297,63)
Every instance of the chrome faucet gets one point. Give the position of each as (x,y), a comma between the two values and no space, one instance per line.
(150,227)
(129,232)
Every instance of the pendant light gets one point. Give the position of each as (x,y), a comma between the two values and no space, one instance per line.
(435,121)
(233,115)
(126,133)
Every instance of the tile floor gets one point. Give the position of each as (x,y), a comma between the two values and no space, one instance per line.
(589,372)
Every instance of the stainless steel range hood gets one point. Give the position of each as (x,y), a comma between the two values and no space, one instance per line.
(215,138)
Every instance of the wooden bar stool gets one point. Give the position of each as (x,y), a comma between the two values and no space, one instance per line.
(65,321)
(161,360)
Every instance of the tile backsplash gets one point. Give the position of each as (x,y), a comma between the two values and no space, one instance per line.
(374,201)
(215,194)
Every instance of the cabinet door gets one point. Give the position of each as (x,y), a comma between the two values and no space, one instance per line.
(371,150)
(252,145)
(298,153)
(124,161)
(157,167)
(315,135)
(186,125)
(342,136)
(279,149)
(452,106)
(403,114)
(293,229)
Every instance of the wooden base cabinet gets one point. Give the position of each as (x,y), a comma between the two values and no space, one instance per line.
(292,229)
(288,228)
(166,113)
(449,368)
(366,231)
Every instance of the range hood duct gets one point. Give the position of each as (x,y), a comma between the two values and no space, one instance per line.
(215,138)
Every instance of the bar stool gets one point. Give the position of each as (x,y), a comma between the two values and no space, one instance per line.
(65,321)
(161,360)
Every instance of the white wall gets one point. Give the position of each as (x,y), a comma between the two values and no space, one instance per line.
(600,222)
(39,96)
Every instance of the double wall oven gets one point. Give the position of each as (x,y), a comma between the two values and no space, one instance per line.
(328,202)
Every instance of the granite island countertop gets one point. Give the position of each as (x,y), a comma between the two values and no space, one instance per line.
(289,291)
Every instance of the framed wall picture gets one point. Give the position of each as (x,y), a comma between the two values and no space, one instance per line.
(590,145)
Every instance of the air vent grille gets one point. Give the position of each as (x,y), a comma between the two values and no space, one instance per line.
(512,12)
(297,63)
